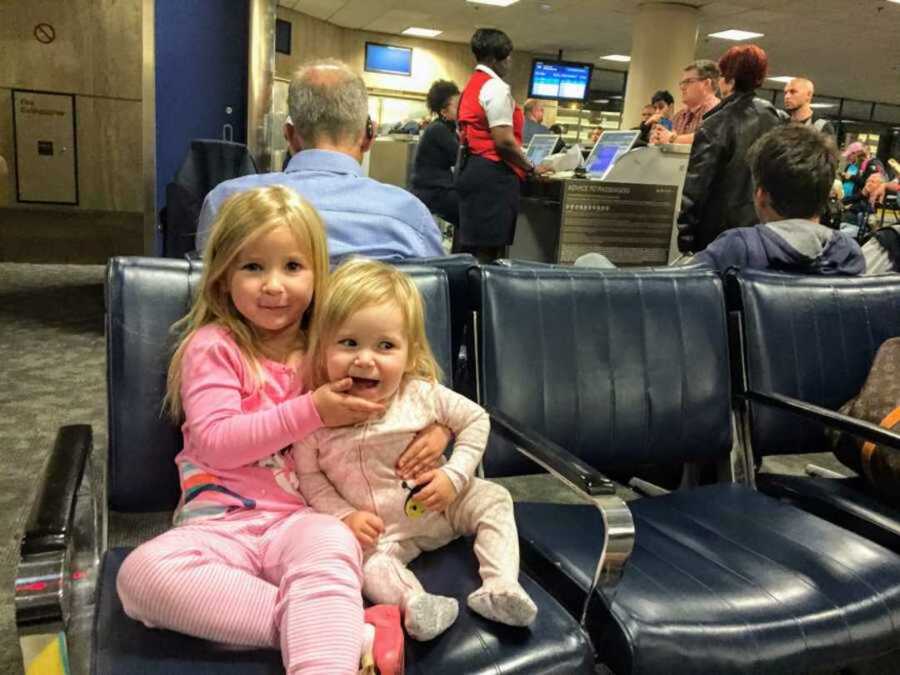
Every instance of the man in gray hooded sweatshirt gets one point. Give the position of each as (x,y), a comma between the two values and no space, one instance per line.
(793,170)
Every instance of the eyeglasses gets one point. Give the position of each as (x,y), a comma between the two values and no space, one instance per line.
(690,80)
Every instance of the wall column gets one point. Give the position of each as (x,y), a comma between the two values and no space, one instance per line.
(663,42)
(260,81)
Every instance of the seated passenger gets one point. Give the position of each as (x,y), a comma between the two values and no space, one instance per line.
(328,134)
(882,248)
(793,169)
(370,327)
(860,168)
(877,188)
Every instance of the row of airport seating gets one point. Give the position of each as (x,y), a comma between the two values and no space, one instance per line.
(586,373)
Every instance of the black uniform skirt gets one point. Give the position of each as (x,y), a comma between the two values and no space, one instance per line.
(488,204)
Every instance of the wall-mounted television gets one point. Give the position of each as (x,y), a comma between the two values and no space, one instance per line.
(388,59)
(560,80)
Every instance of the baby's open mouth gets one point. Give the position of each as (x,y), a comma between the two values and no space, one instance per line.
(365,383)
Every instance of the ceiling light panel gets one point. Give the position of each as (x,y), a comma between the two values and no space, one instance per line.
(495,3)
(782,78)
(621,58)
(735,35)
(422,32)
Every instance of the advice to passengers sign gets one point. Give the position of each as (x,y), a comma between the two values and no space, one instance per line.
(630,224)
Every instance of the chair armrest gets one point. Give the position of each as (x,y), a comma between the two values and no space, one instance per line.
(830,418)
(556,459)
(42,597)
(618,524)
(50,521)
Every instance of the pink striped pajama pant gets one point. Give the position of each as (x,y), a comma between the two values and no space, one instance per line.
(257,579)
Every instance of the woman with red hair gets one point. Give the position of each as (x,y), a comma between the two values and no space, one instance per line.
(718,188)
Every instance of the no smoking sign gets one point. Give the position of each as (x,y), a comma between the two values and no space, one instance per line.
(44,33)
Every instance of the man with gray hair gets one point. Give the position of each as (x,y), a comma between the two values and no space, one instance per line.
(534,118)
(698,84)
(328,133)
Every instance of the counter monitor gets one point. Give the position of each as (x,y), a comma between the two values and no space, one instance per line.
(607,150)
(542,145)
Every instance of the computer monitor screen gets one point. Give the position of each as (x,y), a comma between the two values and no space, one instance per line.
(540,146)
(388,59)
(607,150)
(560,80)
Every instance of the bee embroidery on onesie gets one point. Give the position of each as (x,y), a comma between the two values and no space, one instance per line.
(412,507)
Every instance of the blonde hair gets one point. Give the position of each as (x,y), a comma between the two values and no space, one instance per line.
(358,284)
(243,218)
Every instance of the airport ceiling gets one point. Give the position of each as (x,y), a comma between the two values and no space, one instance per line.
(850,48)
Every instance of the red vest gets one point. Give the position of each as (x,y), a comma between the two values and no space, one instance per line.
(473,125)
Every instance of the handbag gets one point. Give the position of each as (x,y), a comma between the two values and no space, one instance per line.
(878,402)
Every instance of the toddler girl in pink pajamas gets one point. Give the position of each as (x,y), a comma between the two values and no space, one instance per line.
(249,563)
(370,327)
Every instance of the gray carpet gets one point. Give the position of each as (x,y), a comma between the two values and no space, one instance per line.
(52,373)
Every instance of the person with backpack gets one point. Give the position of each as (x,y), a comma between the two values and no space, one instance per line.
(798,96)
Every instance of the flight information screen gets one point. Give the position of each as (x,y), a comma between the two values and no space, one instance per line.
(560,80)
(388,59)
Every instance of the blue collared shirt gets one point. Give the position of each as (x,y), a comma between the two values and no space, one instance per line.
(361,215)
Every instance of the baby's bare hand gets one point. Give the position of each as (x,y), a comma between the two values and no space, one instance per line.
(438,492)
(366,527)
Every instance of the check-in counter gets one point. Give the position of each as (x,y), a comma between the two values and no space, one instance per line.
(629,217)
(391,158)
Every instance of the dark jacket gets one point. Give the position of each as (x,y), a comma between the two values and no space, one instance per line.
(208,163)
(792,245)
(435,157)
(718,188)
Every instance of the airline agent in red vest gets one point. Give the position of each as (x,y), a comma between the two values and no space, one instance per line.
(492,162)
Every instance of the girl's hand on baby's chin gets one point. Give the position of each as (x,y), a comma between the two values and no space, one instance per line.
(337,408)
(425,451)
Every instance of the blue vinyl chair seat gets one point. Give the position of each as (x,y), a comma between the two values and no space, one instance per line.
(552,645)
(144,297)
(843,501)
(713,586)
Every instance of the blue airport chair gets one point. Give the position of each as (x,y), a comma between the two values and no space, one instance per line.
(807,344)
(144,297)
(456,267)
(592,371)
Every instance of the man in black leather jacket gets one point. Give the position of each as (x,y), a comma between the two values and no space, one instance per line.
(718,188)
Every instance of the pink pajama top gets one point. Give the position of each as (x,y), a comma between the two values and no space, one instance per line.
(238,432)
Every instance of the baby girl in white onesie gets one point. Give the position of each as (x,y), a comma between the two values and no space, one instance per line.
(370,327)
